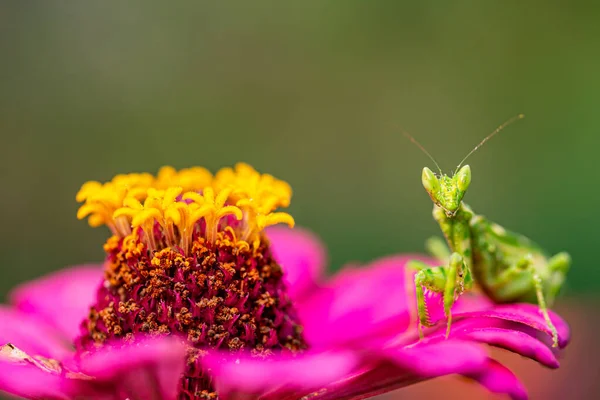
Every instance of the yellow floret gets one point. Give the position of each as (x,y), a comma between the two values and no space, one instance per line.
(258,195)
(261,192)
(174,202)
(101,200)
(212,209)
(189,179)
(141,216)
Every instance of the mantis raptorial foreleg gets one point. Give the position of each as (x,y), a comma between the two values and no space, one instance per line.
(447,280)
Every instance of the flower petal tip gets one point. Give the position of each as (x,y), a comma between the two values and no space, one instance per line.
(243,373)
(498,379)
(302,256)
(60,298)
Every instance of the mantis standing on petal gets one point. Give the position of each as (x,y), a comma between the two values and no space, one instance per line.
(507,266)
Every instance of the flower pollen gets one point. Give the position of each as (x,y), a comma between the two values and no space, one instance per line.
(188,257)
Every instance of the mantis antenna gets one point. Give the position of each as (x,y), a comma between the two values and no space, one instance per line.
(412,139)
(488,137)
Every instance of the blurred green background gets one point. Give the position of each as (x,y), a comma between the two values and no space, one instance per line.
(316,93)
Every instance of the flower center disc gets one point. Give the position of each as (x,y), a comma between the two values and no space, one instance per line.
(194,278)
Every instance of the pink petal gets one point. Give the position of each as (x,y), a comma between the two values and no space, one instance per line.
(301,255)
(526,314)
(61,299)
(338,375)
(499,379)
(281,374)
(27,381)
(370,301)
(510,339)
(356,303)
(391,369)
(431,359)
(500,333)
(31,335)
(149,369)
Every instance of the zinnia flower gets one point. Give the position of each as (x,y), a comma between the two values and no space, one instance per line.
(197,300)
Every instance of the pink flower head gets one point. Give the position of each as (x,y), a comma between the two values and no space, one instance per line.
(211,315)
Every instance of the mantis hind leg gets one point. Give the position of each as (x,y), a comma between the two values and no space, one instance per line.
(447,280)
(525,266)
(539,291)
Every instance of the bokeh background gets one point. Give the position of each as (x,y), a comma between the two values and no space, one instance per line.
(317,93)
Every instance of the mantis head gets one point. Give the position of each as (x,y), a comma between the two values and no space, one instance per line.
(445,191)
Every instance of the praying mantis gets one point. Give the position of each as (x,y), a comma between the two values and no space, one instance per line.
(506,266)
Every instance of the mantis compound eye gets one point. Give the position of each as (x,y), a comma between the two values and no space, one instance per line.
(430,181)
(463,178)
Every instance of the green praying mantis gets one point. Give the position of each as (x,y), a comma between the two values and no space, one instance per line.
(506,266)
